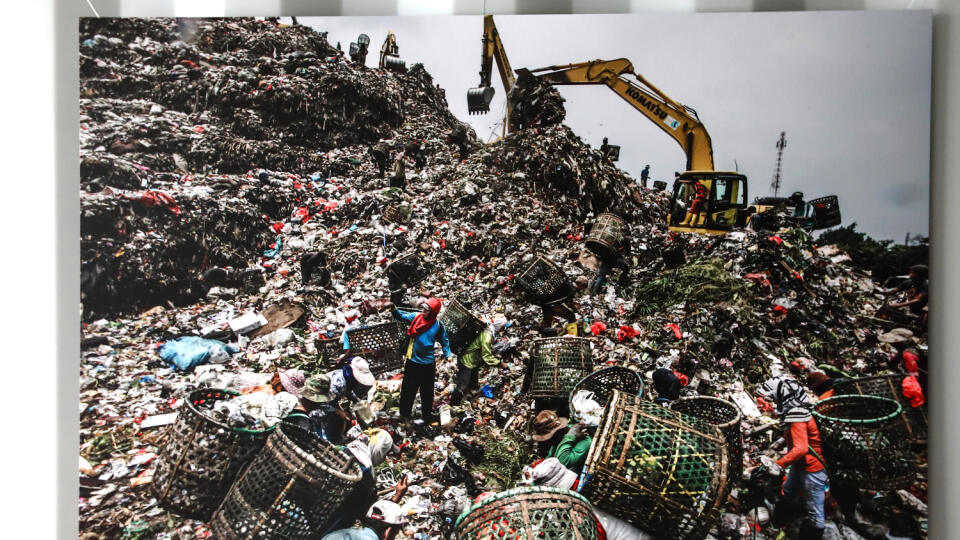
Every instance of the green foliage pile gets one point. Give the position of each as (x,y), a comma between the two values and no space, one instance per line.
(701,282)
(505,454)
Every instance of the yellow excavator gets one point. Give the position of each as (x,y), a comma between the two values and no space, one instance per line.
(726,200)
(725,206)
(390,55)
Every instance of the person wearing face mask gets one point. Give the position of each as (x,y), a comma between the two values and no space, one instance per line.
(420,370)
(807,476)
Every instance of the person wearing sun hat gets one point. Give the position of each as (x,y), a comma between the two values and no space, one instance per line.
(327,419)
(568,444)
(382,521)
(548,429)
(292,380)
(353,380)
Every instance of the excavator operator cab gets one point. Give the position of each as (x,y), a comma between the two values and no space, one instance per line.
(720,212)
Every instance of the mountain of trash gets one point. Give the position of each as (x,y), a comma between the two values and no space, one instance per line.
(242,145)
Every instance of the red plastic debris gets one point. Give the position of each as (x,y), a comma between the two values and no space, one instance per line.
(151,199)
(626,332)
(912,391)
(759,278)
(676,330)
(763,405)
(597,328)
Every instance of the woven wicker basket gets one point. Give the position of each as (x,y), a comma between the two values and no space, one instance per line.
(865,442)
(380,345)
(409,270)
(607,233)
(397,213)
(604,381)
(661,470)
(724,415)
(541,278)
(890,386)
(462,326)
(202,457)
(291,489)
(529,513)
(558,364)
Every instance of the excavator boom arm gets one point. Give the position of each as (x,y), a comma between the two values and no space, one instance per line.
(478,99)
(493,48)
(676,120)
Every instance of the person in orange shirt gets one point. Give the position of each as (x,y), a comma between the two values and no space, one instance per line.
(806,478)
(700,194)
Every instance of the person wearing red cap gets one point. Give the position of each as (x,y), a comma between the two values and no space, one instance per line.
(420,372)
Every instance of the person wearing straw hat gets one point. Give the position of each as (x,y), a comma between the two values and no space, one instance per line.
(807,475)
(548,431)
(290,380)
(569,444)
(327,419)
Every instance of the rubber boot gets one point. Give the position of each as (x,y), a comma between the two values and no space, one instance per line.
(808,531)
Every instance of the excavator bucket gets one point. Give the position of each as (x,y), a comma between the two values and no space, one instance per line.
(394,63)
(478,99)
(827,212)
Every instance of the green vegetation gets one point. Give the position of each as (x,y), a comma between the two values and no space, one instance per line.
(882,258)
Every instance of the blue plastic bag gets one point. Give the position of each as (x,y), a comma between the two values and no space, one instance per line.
(274,251)
(187,352)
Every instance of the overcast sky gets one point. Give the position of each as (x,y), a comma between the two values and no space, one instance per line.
(850,89)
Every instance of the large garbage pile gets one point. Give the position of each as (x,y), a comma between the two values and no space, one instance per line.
(241,144)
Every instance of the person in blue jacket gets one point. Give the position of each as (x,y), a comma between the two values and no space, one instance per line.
(419,371)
